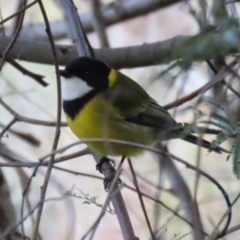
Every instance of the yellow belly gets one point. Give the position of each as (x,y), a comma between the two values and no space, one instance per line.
(100,120)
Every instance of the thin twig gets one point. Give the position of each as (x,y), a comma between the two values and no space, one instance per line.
(193,168)
(58,125)
(19,163)
(8,126)
(18,12)
(217,235)
(21,4)
(140,198)
(170,210)
(15,35)
(232,229)
(134,190)
(224,81)
(24,136)
(30,120)
(160,188)
(217,78)
(158,151)
(112,191)
(14,226)
(38,78)
(104,140)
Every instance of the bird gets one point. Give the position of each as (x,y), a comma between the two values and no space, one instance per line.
(101,102)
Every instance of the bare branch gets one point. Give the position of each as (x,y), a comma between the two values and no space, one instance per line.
(111,15)
(38,78)
(140,198)
(179,47)
(217,78)
(29,120)
(24,136)
(18,161)
(5,129)
(18,12)
(58,123)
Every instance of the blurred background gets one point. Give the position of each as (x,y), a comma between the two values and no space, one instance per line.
(68,217)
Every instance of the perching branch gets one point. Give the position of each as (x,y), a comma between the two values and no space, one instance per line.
(84,49)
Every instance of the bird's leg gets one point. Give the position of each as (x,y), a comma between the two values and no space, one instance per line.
(102,161)
(108,180)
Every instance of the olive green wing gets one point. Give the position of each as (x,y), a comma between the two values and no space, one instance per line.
(154,116)
(136,106)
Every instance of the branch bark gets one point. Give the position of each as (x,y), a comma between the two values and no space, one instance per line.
(187,48)
(84,48)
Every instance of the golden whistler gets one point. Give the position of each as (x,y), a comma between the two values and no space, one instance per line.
(101,102)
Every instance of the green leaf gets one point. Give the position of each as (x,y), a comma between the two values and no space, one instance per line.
(221,119)
(216,124)
(222,122)
(220,138)
(168,76)
(166,71)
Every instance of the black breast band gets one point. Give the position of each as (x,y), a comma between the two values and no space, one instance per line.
(73,107)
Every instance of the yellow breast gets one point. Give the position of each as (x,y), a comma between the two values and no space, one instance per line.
(98,119)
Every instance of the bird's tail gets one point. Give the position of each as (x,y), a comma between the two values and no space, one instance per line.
(203,143)
(192,139)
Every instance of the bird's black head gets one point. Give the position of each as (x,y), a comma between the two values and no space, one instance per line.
(93,72)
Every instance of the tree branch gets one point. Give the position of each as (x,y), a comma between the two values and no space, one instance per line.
(84,48)
(180,47)
(113,14)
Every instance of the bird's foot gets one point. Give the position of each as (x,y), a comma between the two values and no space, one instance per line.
(102,161)
(108,180)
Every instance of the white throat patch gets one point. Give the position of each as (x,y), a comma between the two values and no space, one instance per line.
(73,88)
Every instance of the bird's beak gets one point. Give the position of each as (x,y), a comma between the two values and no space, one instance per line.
(64,74)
